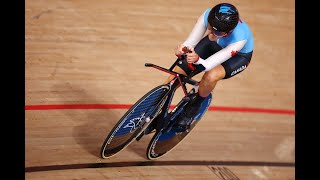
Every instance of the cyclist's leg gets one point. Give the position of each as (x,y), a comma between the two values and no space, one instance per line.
(209,80)
(226,70)
(206,86)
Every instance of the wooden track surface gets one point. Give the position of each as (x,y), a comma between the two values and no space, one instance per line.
(93,52)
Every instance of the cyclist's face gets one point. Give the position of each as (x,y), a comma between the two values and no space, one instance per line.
(216,33)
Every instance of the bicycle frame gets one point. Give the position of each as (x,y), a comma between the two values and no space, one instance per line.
(179,79)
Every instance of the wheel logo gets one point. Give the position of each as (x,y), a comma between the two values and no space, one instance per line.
(135,123)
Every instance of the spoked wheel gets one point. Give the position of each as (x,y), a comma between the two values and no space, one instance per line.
(164,141)
(134,121)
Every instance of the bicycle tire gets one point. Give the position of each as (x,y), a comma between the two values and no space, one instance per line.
(169,140)
(133,123)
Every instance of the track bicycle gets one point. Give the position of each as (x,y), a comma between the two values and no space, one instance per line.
(151,114)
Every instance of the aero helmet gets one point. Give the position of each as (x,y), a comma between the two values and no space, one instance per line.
(223,17)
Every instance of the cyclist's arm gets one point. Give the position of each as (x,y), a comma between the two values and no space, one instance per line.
(197,33)
(221,56)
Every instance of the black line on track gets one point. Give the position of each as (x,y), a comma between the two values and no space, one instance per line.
(157,163)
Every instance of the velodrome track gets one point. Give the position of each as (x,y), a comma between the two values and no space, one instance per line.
(85,68)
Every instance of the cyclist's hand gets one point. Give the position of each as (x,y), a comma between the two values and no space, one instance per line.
(178,50)
(192,56)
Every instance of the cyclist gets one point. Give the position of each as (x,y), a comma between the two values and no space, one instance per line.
(221,53)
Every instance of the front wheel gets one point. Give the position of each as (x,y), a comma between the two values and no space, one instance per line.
(134,121)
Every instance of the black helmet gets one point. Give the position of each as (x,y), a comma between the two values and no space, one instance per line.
(223,17)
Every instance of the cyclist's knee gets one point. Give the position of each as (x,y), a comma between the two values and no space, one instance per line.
(214,75)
